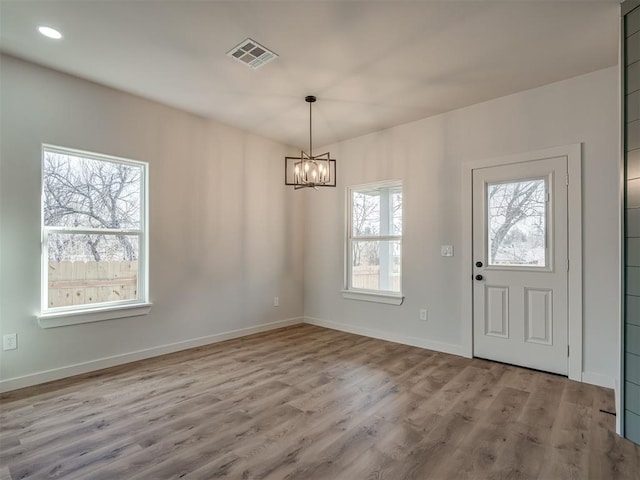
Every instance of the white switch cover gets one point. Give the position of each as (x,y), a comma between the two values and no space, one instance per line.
(446,250)
(423,314)
(9,341)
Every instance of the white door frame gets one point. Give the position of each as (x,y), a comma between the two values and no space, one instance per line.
(574,208)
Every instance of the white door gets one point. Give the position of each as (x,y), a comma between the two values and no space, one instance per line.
(520,313)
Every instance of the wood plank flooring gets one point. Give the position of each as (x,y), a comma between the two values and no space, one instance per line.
(311,403)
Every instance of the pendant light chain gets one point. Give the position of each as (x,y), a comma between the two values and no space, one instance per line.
(310,132)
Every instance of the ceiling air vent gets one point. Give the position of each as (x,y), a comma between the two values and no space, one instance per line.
(252,54)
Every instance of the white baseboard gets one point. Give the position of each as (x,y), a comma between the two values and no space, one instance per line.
(391,337)
(599,379)
(93,365)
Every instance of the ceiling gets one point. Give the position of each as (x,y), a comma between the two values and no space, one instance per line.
(372,64)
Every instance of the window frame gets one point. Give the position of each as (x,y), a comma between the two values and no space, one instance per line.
(349,292)
(91,312)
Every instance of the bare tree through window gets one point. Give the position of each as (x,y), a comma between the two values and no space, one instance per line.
(517,223)
(375,244)
(86,193)
(92,220)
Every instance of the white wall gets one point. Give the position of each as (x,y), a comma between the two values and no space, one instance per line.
(225,235)
(428,156)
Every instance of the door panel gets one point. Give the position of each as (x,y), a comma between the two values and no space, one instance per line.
(520,257)
(497,314)
(539,312)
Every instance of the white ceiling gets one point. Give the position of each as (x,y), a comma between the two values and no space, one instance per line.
(372,64)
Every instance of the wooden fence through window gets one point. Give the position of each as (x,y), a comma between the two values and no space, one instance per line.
(368,277)
(79,283)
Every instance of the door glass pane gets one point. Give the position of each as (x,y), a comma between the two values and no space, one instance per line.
(516,217)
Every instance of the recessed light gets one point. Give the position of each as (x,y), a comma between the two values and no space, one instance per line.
(50,32)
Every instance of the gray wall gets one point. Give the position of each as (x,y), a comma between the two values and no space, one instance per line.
(428,156)
(632,226)
(225,235)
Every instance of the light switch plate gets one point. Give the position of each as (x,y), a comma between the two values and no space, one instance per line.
(446,250)
(9,341)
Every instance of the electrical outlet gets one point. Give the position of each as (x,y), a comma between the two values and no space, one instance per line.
(276,301)
(10,341)
(423,314)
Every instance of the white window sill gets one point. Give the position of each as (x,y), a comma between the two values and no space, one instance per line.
(75,317)
(388,298)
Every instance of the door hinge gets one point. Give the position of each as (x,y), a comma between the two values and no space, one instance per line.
(567,350)
(567,264)
(567,179)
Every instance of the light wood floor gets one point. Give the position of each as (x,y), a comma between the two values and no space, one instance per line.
(310,403)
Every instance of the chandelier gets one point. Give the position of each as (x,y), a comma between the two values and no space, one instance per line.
(310,170)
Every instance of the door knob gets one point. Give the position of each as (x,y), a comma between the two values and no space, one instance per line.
(479,277)
(478,264)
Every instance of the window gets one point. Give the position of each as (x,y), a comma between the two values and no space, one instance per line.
(516,229)
(93,235)
(374,258)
